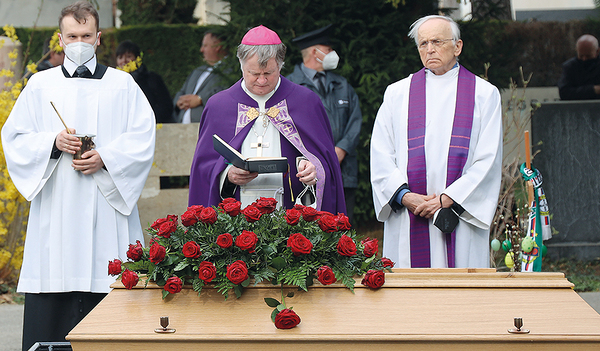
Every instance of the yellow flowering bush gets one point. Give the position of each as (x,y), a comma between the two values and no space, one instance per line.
(55,43)
(14,209)
(132,65)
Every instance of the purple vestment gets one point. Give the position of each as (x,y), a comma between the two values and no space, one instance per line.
(457,156)
(304,131)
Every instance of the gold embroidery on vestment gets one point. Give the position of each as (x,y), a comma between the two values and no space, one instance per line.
(252,113)
(273,112)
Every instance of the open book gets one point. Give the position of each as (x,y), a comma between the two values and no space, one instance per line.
(252,164)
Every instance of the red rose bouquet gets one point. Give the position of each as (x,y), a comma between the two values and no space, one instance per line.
(227,247)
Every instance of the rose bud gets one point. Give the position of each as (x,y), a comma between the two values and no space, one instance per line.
(114,267)
(286,319)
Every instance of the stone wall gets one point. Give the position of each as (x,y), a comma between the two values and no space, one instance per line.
(175,145)
(569,161)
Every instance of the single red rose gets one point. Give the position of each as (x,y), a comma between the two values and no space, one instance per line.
(286,319)
(233,208)
(298,207)
(246,241)
(373,279)
(346,246)
(114,267)
(299,244)
(237,272)
(207,271)
(292,216)
(323,213)
(309,214)
(328,223)
(325,275)
(157,223)
(386,262)
(167,228)
(191,250)
(225,240)
(157,253)
(343,222)
(265,204)
(371,247)
(196,209)
(189,218)
(154,240)
(129,279)
(228,200)
(173,285)
(208,215)
(252,213)
(135,252)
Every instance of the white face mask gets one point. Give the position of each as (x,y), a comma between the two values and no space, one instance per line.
(80,52)
(330,61)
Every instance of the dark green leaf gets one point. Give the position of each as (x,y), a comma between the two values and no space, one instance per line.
(278,263)
(238,291)
(271,302)
(274,314)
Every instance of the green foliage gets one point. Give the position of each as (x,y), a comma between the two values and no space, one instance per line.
(584,274)
(135,12)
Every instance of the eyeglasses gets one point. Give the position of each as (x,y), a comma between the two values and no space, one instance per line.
(437,43)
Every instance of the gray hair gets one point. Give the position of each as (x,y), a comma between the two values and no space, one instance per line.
(263,52)
(414,28)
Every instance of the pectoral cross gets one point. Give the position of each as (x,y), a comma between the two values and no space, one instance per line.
(259,146)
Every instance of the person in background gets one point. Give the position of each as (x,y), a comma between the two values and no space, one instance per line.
(264,114)
(83,211)
(580,79)
(339,99)
(151,83)
(202,83)
(436,157)
(55,56)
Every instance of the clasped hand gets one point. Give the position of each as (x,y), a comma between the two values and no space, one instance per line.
(425,205)
(188,101)
(90,161)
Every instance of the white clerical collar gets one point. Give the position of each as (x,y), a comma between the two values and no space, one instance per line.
(261,99)
(71,66)
(451,72)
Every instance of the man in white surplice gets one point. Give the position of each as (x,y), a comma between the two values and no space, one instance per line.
(473,194)
(83,212)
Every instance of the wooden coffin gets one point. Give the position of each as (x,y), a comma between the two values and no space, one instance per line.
(416,309)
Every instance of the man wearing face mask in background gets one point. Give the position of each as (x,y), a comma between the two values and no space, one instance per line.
(83,211)
(339,99)
(580,79)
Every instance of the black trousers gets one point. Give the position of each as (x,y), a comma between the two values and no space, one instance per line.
(49,317)
(350,196)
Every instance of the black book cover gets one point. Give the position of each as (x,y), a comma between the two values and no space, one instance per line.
(252,164)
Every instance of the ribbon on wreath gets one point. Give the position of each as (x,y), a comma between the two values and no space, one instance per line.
(538,225)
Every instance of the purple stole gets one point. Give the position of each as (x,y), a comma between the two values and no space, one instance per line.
(284,123)
(420,255)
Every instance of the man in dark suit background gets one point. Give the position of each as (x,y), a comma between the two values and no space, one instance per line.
(580,79)
(201,84)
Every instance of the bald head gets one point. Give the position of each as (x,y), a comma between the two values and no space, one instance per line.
(587,47)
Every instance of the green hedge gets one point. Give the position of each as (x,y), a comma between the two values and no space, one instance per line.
(370,38)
